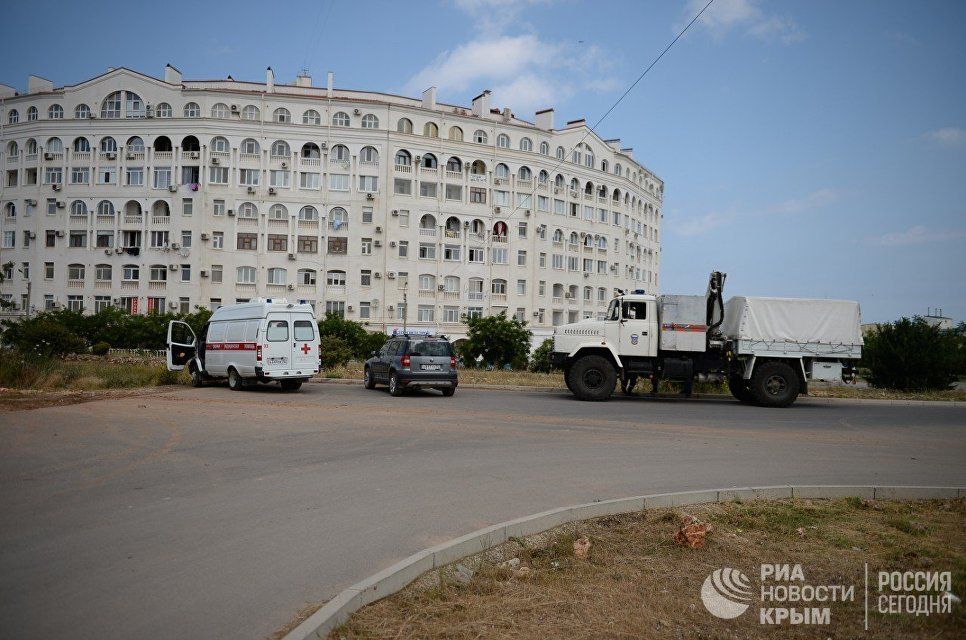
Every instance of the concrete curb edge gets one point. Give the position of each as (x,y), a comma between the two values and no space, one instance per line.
(392,579)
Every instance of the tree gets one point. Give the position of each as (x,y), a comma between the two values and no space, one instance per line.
(912,355)
(354,336)
(45,337)
(334,351)
(540,360)
(497,340)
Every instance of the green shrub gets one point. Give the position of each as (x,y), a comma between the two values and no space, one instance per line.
(354,336)
(100,348)
(45,337)
(496,341)
(540,360)
(335,352)
(912,355)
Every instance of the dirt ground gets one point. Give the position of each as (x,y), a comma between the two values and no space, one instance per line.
(637,583)
(23,399)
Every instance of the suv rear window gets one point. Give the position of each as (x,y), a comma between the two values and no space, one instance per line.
(430,348)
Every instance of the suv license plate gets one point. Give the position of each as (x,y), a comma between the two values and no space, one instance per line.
(431,367)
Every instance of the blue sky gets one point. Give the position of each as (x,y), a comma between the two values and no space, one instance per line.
(813,149)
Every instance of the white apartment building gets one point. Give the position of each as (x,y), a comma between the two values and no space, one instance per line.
(166,194)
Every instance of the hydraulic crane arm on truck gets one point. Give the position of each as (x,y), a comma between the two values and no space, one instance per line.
(767,349)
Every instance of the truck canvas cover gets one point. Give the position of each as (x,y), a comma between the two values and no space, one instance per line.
(820,327)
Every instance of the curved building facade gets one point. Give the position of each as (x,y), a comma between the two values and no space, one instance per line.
(161,194)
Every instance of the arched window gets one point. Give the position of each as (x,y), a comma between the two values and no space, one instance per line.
(13,149)
(78,208)
(480,137)
(105,208)
(280,149)
(574,239)
(163,110)
(498,286)
(574,185)
(54,145)
(340,153)
(162,143)
(454,164)
(308,213)
(282,115)
(589,188)
(503,141)
(33,114)
(220,110)
(113,105)
(431,130)
(251,112)
(338,217)
(135,144)
(452,224)
(75,272)
(544,177)
(558,236)
(311,117)
(306,277)
(524,173)
(81,145)
(545,148)
(576,155)
(451,284)
(103,272)
(428,161)
(617,169)
(161,209)
(526,144)
(340,119)
(249,146)
(602,242)
(82,112)
(500,229)
(589,240)
(108,145)
(158,273)
(559,181)
(558,290)
(403,159)
(245,275)
(370,121)
(603,166)
(455,133)
(278,212)
(478,168)
(588,156)
(248,210)
(335,278)
(428,221)
(31,146)
(616,197)
(369,155)
(131,273)
(311,150)
(560,153)
(427,282)
(13,116)
(405,125)
(478,227)
(501,171)
(219,144)
(192,110)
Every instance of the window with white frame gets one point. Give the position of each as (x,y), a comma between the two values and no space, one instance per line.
(251,112)
(245,275)
(370,121)
(310,180)
(248,177)
(339,181)
(340,119)
(369,184)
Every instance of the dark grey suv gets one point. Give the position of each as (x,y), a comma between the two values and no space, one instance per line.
(410,361)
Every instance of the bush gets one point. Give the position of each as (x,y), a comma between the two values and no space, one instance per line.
(496,341)
(354,336)
(45,337)
(100,348)
(540,360)
(912,355)
(335,352)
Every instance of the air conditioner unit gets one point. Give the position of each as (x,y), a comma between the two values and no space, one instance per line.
(234,108)
(48,156)
(369,196)
(356,112)
(231,213)
(204,236)
(55,187)
(172,305)
(194,155)
(395,212)
(31,202)
(33,235)
(175,245)
(111,155)
(271,191)
(378,229)
(251,189)
(417,159)
(527,213)
(324,146)
(130,156)
(291,256)
(108,252)
(61,204)
(496,209)
(377,275)
(349,308)
(203,273)
(536,314)
(291,287)
(284,165)
(215,161)
(173,188)
(440,287)
(172,267)
(391,275)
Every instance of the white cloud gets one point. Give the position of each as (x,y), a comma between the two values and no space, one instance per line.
(814,200)
(724,16)
(947,136)
(715,219)
(702,224)
(917,234)
(493,16)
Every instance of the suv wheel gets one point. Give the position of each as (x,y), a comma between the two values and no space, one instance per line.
(395,389)
(593,378)
(774,384)
(368,380)
(448,391)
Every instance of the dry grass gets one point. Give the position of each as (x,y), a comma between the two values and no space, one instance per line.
(638,584)
(90,374)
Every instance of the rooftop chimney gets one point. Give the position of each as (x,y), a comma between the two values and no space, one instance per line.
(614,143)
(171,75)
(36,84)
(545,119)
(303,79)
(481,104)
(429,98)
(329,79)
(7,91)
(269,80)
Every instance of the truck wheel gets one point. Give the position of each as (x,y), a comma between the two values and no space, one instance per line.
(235,381)
(774,384)
(395,389)
(593,378)
(566,374)
(740,390)
(368,380)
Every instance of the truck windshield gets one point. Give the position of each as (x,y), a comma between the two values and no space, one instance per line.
(614,310)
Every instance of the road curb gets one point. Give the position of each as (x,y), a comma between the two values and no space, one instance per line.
(696,396)
(392,579)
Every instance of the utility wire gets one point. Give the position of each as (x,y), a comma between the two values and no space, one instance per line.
(593,129)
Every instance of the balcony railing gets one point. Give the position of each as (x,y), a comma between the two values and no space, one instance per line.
(249,157)
(310,162)
(430,233)
(160,219)
(452,233)
(128,219)
(80,156)
(190,155)
(75,284)
(501,239)
(475,295)
(404,168)
(164,155)
(498,297)
(454,175)
(157,285)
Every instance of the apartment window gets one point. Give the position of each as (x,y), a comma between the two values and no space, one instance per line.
(521,258)
(478,195)
(425,313)
(474,312)
(308,244)
(451,314)
(75,303)
(54,175)
(451,252)
(80,175)
(306,277)
(218,208)
(187,206)
(499,255)
(368,184)
(218,175)
(214,304)
(338,246)
(162,177)
(9,239)
(77,239)
(159,239)
(403,248)
(247,241)
(281,179)
(402,186)
(427,189)
(277,242)
(454,192)
(339,181)
(403,218)
(501,198)
(335,278)
(217,272)
(477,254)
(131,273)
(245,275)
(310,180)
(248,177)
(427,250)
(104,239)
(277,275)
(186,273)
(335,307)
(218,240)
(134,176)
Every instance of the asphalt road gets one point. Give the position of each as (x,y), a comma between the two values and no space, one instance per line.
(206,513)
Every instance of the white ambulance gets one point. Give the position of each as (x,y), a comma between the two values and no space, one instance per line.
(266,340)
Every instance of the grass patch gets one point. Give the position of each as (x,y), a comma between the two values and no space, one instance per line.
(83,375)
(638,584)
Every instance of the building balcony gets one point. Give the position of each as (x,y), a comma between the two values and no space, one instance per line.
(250,158)
(102,284)
(30,158)
(160,219)
(130,284)
(524,185)
(341,165)
(404,168)
(157,285)
(429,233)
(13,159)
(475,295)
(133,219)
(135,156)
(164,156)
(190,155)
(557,300)
(80,157)
(428,171)
(451,233)
(451,295)
(498,297)
(75,284)
(500,239)
(276,223)
(369,163)
(454,175)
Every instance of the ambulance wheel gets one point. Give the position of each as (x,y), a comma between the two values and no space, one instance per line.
(395,389)
(235,381)
(368,380)
(197,378)
(291,385)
